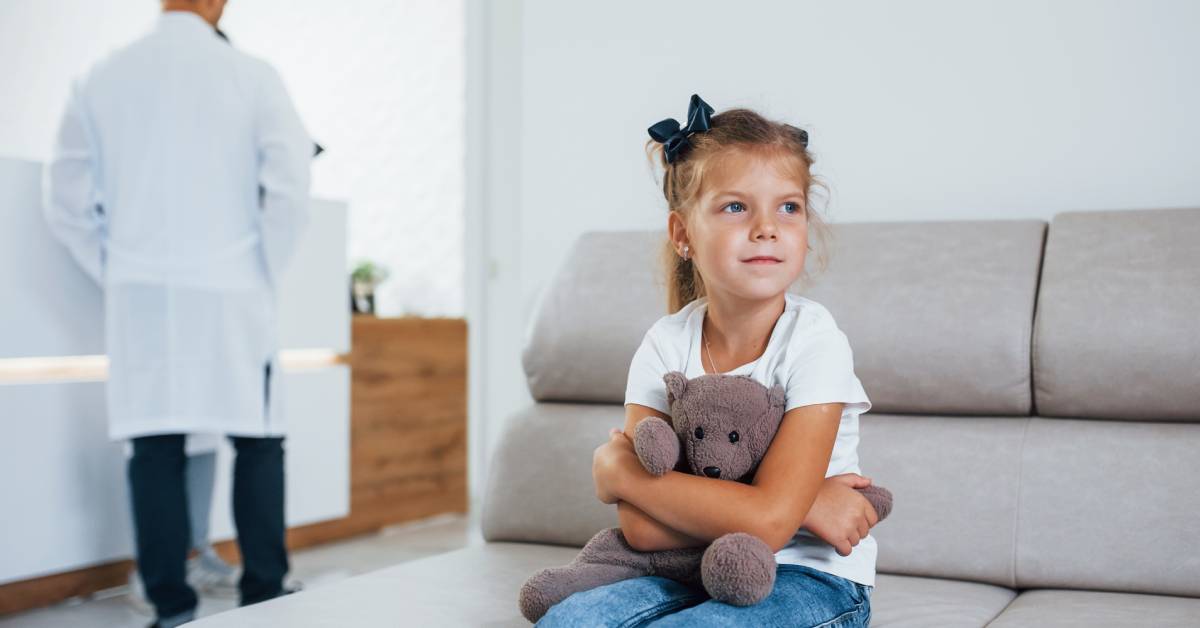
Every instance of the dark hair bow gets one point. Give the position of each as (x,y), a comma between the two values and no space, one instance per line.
(801,134)
(675,139)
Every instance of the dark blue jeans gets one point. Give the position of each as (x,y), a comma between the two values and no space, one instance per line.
(802,597)
(157,488)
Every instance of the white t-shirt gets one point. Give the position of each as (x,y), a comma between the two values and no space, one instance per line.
(811,358)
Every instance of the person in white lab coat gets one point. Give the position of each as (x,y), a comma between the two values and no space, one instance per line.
(179,180)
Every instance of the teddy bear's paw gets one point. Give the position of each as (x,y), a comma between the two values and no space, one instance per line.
(656,444)
(880,498)
(738,569)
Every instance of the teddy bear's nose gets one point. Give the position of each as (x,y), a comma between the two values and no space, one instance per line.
(712,472)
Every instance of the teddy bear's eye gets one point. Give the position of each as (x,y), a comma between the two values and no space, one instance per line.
(733,437)
(700,433)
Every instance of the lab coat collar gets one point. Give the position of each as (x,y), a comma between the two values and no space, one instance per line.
(185,20)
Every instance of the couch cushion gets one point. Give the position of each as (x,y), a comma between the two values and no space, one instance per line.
(1093,609)
(478,586)
(939,314)
(475,586)
(1116,333)
(955,483)
(1038,502)
(540,485)
(592,317)
(1108,505)
(1087,493)
(914,602)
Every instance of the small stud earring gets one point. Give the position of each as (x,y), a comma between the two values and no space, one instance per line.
(685,252)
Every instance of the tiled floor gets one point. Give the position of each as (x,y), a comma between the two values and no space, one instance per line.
(313,567)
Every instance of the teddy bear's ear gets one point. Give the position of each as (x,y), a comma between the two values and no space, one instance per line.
(676,386)
(776,397)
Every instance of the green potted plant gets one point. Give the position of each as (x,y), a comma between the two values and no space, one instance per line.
(365,277)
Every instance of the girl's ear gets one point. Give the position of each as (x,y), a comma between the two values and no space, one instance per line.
(677,230)
(676,386)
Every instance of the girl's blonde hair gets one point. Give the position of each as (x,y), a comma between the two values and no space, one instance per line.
(682,182)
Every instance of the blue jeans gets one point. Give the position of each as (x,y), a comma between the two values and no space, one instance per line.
(802,596)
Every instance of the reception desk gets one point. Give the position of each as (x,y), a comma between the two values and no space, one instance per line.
(62,482)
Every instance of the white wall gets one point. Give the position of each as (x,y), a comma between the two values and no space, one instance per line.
(381,86)
(917,111)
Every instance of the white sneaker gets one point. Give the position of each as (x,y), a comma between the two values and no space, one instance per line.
(137,595)
(209,575)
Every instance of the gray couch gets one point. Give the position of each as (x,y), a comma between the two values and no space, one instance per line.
(1036,395)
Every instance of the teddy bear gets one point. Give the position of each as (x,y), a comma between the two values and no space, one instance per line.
(721,426)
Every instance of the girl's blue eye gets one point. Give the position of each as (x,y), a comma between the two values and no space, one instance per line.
(791,208)
(736,206)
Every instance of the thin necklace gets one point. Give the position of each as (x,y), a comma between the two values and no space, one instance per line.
(704,337)
(710,357)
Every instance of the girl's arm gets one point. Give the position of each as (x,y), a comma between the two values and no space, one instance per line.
(641,531)
(772,508)
(837,516)
(647,535)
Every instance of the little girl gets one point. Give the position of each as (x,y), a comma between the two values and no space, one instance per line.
(737,188)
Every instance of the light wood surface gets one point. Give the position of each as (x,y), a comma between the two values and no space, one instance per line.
(408,421)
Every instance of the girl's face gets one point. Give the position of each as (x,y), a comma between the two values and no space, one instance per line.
(748,231)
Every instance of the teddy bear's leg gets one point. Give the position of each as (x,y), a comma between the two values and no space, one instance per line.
(606,558)
(551,586)
(656,444)
(880,498)
(738,569)
(680,565)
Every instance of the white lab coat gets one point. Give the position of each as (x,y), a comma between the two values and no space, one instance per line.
(179,180)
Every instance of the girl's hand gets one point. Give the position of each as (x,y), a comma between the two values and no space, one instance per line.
(610,462)
(841,516)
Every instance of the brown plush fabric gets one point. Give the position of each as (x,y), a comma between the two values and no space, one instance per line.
(738,569)
(721,427)
(606,558)
(880,498)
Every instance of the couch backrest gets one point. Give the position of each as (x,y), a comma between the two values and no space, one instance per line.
(592,317)
(958,345)
(939,314)
(1121,295)
(1108,493)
